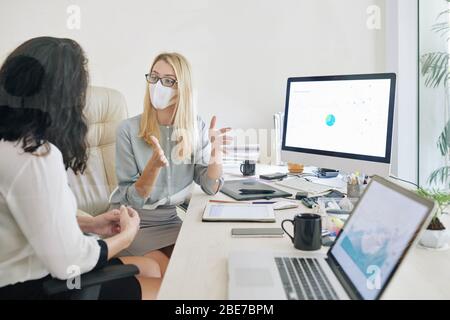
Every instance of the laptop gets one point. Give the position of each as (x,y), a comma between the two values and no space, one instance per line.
(384,225)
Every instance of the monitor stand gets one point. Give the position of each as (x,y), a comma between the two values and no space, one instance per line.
(326,173)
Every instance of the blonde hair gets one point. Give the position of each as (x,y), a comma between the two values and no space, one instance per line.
(185,122)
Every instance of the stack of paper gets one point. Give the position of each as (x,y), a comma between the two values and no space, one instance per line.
(278,122)
(239,153)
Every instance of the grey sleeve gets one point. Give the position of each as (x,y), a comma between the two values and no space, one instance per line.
(127,171)
(202,157)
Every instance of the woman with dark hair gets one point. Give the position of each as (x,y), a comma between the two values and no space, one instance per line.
(43,133)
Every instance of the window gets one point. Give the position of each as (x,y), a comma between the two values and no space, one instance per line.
(434,125)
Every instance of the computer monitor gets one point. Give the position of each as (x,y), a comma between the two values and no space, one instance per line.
(340,122)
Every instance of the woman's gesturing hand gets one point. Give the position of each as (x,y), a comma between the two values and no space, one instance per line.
(106,224)
(218,140)
(129,222)
(129,226)
(158,159)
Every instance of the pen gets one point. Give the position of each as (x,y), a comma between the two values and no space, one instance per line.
(256,191)
(263,202)
(254,202)
(337,211)
(226,201)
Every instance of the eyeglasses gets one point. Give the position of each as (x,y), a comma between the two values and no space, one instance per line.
(166,82)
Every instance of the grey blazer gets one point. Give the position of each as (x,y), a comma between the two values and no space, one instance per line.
(173,183)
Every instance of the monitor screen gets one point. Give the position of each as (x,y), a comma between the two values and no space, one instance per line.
(343,116)
(377,235)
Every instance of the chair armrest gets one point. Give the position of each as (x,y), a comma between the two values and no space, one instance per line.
(93,278)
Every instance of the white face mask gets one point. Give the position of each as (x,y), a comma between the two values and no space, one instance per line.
(160,95)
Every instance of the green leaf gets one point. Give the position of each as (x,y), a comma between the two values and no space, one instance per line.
(442,29)
(435,68)
(443,142)
(439,175)
(442,198)
(443,13)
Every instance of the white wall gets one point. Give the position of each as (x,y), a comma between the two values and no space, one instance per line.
(241,51)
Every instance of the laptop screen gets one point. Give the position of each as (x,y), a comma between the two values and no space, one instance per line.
(376,237)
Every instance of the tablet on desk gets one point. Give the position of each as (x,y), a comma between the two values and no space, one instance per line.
(251,189)
(238,212)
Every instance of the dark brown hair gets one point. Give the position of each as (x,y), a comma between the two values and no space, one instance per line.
(43,87)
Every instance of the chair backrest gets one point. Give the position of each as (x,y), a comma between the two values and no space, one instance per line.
(105,109)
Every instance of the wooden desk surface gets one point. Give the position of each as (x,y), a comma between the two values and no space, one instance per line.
(198,267)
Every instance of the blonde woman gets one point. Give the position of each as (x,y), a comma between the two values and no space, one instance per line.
(161,152)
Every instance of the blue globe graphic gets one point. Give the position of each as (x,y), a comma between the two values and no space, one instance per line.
(330,120)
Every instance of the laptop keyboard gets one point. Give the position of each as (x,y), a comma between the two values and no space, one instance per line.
(304,279)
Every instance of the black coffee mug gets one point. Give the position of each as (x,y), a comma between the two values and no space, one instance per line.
(248,168)
(307,231)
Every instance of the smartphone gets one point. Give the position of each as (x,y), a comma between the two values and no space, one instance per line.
(257,232)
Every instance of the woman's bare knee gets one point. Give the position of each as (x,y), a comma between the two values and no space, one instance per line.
(147,266)
(161,258)
(149,287)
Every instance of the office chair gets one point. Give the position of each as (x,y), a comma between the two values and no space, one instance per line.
(105,109)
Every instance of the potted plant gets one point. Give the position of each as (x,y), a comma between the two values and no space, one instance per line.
(436,236)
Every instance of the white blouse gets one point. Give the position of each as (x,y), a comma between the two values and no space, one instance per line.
(39,233)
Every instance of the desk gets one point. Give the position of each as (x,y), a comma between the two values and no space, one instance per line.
(198,267)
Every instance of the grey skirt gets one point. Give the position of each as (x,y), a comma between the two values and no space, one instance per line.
(159,229)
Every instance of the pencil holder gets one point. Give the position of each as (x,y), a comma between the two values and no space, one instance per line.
(353,190)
